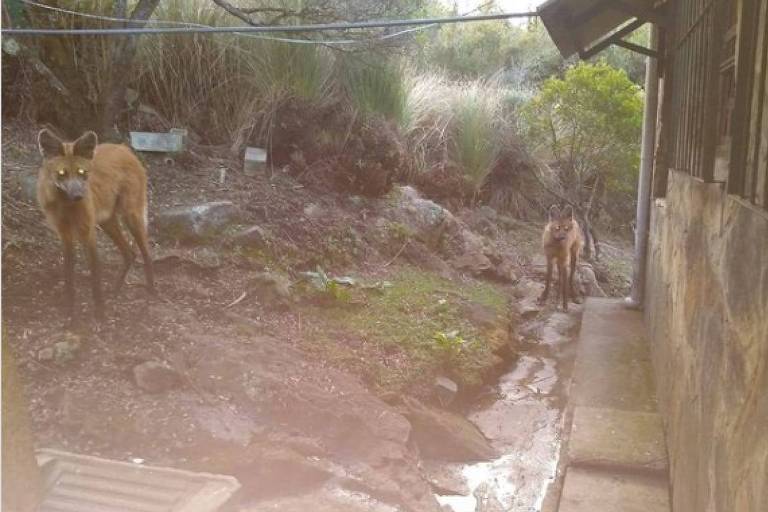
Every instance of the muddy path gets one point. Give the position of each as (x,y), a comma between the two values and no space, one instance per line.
(523,416)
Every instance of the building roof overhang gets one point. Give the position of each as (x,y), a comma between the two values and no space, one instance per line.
(585,27)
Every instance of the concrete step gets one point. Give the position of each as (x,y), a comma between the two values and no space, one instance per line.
(616,456)
(616,438)
(588,490)
(613,367)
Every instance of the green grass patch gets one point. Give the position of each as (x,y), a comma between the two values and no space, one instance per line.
(419,326)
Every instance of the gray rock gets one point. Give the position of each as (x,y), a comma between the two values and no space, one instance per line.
(314,211)
(27,183)
(65,351)
(273,470)
(155,377)
(506,271)
(254,236)
(353,427)
(446,478)
(426,219)
(272,287)
(444,435)
(588,282)
(45,354)
(198,222)
(474,254)
(446,390)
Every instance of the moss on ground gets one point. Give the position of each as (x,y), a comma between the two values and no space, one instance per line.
(416,328)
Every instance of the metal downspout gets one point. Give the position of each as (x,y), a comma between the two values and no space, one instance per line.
(635,300)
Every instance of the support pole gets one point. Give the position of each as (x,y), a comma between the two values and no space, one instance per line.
(22,486)
(635,300)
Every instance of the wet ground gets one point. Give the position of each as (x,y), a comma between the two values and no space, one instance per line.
(524,419)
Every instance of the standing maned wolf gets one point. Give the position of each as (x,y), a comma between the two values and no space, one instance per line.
(82,184)
(562,241)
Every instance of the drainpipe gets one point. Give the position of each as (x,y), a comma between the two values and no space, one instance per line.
(635,300)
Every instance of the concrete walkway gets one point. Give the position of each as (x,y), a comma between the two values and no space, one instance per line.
(616,458)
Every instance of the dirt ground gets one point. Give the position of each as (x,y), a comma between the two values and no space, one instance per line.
(212,302)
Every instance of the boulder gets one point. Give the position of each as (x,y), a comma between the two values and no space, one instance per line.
(426,219)
(270,469)
(588,284)
(274,386)
(155,377)
(254,236)
(272,288)
(197,223)
(472,254)
(444,435)
(66,350)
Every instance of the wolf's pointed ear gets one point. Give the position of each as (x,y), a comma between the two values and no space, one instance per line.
(84,145)
(50,146)
(554,212)
(567,213)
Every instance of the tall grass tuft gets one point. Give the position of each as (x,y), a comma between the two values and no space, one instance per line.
(477,130)
(462,124)
(224,83)
(376,86)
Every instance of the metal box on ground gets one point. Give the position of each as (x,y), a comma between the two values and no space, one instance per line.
(81,483)
(171,142)
(255,161)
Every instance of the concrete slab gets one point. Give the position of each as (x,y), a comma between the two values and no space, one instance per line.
(254,161)
(82,483)
(595,491)
(172,142)
(613,367)
(611,437)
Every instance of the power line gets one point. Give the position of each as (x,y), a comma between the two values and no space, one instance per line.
(318,27)
(254,36)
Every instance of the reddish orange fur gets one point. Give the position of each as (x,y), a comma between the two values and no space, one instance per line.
(111,185)
(561,242)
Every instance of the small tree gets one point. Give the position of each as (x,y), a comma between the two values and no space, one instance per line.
(587,125)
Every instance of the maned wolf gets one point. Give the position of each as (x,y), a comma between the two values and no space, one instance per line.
(82,184)
(562,241)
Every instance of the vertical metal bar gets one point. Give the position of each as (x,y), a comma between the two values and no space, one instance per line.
(712,92)
(745,65)
(646,173)
(756,106)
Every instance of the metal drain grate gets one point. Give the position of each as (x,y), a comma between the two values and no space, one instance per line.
(80,483)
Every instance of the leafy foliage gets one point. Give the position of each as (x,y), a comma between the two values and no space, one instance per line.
(332,287)
(588,126)
(449,343)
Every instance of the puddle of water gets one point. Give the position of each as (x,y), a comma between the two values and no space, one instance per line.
(525,424)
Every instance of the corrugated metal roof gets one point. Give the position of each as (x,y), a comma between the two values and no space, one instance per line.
(575,25)
(81,483)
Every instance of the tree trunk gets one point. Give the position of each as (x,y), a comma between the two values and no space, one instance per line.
(123,53)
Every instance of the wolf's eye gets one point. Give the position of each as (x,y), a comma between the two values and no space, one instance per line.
(557,228)
(81,172)
(567,228)
(62,172)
